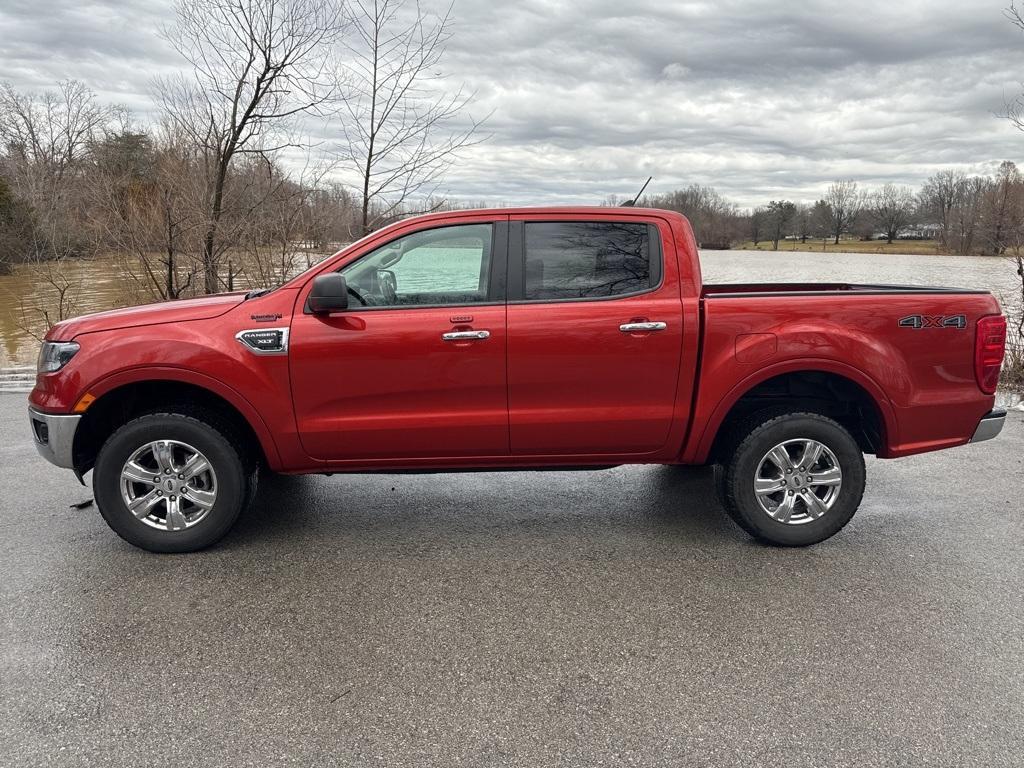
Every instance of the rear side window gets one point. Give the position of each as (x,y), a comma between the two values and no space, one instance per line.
(587,260)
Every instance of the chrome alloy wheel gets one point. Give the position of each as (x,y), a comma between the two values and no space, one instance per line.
(168,485)
(798,481)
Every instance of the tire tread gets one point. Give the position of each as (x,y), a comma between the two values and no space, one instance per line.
(204,419)
(738,443)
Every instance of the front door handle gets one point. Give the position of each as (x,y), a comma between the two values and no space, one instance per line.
(639,327)
(465,335)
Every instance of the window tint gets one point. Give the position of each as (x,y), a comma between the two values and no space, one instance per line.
(448,265)
(581,260)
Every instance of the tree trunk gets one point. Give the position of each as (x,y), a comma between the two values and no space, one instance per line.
(366,204)
(210,284)
(169,292)
(373,128)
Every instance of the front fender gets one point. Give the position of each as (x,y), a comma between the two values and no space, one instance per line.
(202,353)
(185,376)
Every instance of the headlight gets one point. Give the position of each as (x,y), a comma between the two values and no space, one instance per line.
(54,355)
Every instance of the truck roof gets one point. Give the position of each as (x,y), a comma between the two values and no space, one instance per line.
(557,210)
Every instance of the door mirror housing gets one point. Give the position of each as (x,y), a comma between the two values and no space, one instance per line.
(329,294)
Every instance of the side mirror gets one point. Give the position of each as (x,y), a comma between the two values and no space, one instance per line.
(329,294)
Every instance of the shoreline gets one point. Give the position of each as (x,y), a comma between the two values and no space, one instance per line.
(858,247)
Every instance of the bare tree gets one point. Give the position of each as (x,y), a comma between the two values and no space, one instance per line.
(1015,114)
(803,221)
(939,198)
(143,203)
(779,214)
(1015,109)
(46,137)
(892,208)
(1002,214)
(967,215)
(715,219)
(821,221)
(400,134)
(17,228)
(258,66)
(757,223)
(57,300)
(287,226)
(334,215)
(845,201)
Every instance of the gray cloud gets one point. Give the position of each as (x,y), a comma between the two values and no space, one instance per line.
(588,98)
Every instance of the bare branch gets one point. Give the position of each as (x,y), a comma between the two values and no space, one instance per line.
(400,125)
(258,65)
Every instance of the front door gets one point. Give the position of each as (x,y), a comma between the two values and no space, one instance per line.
(415,368)
(595,331)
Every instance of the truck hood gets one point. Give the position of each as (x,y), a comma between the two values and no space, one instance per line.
(177,311)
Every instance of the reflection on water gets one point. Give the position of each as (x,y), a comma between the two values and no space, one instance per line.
(104,283)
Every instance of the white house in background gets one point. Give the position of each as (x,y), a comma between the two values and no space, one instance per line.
(913,232)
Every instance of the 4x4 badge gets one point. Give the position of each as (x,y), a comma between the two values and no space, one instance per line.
(934,321)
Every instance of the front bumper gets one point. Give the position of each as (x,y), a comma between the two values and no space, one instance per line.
(54,436)
(991,424)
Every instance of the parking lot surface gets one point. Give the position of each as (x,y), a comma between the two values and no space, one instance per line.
(520,619)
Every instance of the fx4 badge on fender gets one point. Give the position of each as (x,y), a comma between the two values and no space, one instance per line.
(934,321)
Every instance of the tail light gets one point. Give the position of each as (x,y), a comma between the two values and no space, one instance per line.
(989,348)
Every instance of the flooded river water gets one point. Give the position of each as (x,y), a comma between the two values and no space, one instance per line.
(103,283)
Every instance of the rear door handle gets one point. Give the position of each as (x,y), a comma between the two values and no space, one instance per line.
(634,327)
(465,335)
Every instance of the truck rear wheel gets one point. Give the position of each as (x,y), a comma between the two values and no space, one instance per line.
(170,482)
(793,479)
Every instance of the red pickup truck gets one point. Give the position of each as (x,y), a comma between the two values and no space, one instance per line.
(580,338)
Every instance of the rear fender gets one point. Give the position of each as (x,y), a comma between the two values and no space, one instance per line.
(698,447)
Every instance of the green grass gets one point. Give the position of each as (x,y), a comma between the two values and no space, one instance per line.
(926,247)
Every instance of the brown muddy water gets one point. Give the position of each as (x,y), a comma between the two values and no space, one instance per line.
(30,298)
(104,283)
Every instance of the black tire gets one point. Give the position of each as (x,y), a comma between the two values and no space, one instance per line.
(735,477)
(729,510)
(236,475)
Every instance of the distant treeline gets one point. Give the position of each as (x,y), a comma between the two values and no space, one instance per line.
(965,214)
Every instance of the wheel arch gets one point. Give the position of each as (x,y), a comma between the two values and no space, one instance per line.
(123,396)
(821,386)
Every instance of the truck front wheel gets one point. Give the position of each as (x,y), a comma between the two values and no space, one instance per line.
(171,482)
(793,479)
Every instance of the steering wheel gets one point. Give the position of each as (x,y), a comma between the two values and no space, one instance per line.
(364,300)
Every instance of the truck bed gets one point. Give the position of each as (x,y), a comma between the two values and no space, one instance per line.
(911,347)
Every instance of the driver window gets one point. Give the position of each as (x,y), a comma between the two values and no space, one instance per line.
(448,265)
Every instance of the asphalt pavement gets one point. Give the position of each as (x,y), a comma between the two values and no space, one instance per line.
(521,619)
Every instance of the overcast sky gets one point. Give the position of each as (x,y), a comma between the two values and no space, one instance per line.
(759,99)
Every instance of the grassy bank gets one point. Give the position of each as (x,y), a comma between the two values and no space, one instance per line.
(925,247)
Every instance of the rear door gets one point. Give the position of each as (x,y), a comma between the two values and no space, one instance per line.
(595,331)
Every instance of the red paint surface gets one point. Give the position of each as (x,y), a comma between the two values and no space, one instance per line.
(555,384)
